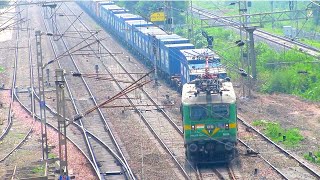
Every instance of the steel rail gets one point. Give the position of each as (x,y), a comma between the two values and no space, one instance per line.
(14,95)
(53,112)
(13,85)
(36,117)
(265,160)
(302,164)
(231,173)
(305,166)
(86,138)
(130,75)
(136,109)
(100,113)
(262,34)
(218,173)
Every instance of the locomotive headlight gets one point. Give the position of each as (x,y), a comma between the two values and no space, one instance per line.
(193,147)
(193,127)
(227,126)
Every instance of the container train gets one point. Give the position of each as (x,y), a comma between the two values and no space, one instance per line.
(208,105)
(177,60)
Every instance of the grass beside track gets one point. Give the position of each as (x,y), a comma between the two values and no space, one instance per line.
(289,137)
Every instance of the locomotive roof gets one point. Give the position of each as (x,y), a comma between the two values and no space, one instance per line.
(189,98)
(192,54)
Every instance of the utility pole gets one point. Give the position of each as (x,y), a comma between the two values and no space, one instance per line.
(155,52)
(44,136)
(252,54)
(252,57)
(171,17)
(52,16)
(192,37)
(165,15)
(296,18)
(241,48)
(272,21)
(61,110)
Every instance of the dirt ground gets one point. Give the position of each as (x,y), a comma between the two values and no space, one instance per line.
(289,111)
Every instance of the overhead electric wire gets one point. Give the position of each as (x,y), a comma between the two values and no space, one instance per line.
(126,90)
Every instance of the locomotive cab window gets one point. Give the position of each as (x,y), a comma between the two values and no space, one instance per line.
(220,111)
(198,113)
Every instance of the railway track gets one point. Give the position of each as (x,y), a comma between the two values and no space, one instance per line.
(10,174)
(177,128)
(16,131)
(153,116)
(285,163)
(281,41)
(103,151)
(212,172)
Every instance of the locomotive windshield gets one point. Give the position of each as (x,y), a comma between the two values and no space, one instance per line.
(220,111)
(198,112)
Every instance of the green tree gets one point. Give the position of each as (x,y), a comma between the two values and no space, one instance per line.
(146,8)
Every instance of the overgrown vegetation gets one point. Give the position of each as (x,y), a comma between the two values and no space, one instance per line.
(304,24)
(51,156)
(288,137)
(146,8)
(313,157)
(39,169)
(279,69)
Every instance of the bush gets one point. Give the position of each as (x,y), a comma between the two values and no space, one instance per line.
(275,132)
(315,158)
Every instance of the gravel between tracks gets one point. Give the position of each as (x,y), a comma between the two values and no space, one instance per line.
(290,112)
(30,152)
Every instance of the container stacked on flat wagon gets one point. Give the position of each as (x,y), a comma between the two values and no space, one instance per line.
(130,27)
(158,42)
(119,25)
(93,8)
(171,61)
(139,36)
(108,15)
(193,64)
(161,41)
(141,41)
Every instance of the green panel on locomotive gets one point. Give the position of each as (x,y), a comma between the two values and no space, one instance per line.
(209,121)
